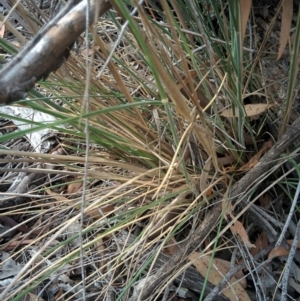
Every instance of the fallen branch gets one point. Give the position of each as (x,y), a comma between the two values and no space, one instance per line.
(46,51)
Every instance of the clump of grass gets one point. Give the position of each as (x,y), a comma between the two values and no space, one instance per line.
(156,154)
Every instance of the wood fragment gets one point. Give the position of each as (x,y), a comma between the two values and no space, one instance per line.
(45,52)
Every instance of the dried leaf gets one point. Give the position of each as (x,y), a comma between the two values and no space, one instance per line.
(251,110)
(261,243)
(248,139)
(286,21)
(265,200)
(227,160)
(238,228)
(281,251)
(171,247)
(216,274)
(245,7)
(74,187)
(227,265)
(255,159)
(57,197)
(98,212)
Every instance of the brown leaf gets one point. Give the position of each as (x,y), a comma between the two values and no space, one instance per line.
(281,251)
(227,160)
(252,110)
(265,200)
(171,247)
(238,228)
(227,265)
(261,243)
(74,187)
(216,274)
(245,7)
(255,159)
(97,214)
(286,21)
(57,197)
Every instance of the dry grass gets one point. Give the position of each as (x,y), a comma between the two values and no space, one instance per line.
(142,159)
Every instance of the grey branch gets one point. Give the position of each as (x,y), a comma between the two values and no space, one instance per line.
(46,51)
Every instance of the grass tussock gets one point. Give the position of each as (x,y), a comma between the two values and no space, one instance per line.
(159,112)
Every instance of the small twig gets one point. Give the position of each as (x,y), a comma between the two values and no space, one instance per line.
(265,216)
(166,293)
(248,258)
(291,213)
(289,262)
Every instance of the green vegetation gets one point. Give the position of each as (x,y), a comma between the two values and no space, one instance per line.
(146,142)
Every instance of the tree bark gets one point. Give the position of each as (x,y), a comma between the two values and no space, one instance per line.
(46,51)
